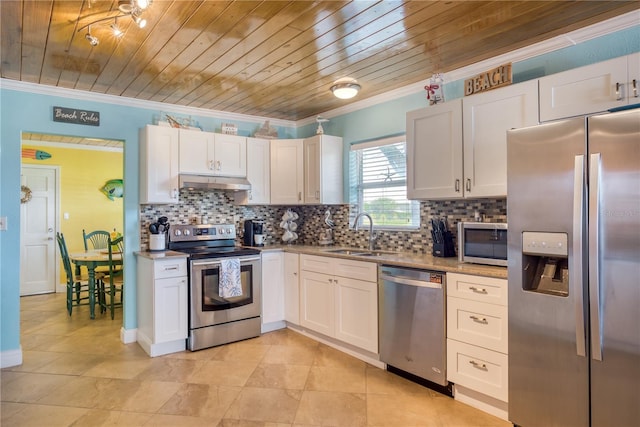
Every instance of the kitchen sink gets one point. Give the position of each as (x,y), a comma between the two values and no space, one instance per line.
(360,252)
(349,251)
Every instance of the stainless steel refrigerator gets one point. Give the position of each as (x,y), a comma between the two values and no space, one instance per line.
(573,206)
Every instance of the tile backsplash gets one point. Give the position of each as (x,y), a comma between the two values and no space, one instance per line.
(218,207)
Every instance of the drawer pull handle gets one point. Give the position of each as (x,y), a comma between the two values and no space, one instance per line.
(478,290)
(175,267)
(479,319)
(478,365)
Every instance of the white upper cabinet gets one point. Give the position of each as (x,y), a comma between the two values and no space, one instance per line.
(207,153)
(323,170)
(434,151)
(590,89)
(486,119)
(459,148)
(287,171)
(158,165)
(258,174)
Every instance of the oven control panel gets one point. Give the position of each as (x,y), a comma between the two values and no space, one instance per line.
(193,232)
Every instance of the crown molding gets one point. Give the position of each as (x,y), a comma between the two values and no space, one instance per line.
(572,38)
(139,103)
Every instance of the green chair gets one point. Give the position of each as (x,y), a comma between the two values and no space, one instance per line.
(77,285)
(112,283)
(98,239)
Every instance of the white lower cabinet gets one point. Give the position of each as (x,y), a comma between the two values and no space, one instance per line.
(339,299)
(477,340)
(162,305)
(291,288)
(272,291)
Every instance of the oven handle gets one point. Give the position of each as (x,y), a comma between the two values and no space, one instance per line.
(217,261)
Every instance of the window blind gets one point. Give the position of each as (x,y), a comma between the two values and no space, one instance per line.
(378,184)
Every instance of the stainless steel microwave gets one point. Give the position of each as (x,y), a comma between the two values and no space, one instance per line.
(482,243)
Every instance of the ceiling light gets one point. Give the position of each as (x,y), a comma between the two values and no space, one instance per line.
(116,30)
(345,88)
(93,41)
(140,21)
(143,4)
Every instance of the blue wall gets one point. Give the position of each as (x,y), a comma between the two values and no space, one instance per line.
(21,111)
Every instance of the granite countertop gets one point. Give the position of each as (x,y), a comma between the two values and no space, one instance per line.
(402,259)
(161,254)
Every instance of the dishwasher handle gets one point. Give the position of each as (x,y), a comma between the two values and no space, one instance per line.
(411,282)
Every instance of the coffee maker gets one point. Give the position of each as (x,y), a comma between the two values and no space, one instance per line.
(254,232)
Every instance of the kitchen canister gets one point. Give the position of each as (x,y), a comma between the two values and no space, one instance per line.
(157,242)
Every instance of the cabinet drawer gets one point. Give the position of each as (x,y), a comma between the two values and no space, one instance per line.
(318,264)
(367,271)
(477,288)
(482,370)
(170,268)
(485,325)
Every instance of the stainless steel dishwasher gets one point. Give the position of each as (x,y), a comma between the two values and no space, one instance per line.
(413,322)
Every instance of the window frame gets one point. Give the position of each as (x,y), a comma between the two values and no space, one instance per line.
(356,186)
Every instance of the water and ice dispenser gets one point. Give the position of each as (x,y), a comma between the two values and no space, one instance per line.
(545,263)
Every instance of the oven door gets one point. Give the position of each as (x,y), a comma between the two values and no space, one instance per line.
(208,308)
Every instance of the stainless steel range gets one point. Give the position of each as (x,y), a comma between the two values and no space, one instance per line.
(216,316)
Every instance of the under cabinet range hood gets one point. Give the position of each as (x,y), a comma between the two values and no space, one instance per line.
(204,182)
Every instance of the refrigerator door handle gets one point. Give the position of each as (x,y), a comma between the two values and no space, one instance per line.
(577,277)
(594,256)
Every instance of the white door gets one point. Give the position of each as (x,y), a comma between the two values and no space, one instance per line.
(38,226)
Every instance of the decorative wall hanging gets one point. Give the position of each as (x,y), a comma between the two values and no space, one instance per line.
(113,188)
(75,116)
(492,79)
(435,89)
(25,194)
(32,153)
(266,131)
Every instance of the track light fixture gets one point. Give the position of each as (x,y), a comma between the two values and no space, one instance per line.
(93,41)
(132,8)
(345,88)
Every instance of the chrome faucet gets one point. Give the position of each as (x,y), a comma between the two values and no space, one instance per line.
(372,236)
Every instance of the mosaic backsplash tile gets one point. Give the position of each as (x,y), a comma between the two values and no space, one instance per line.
(216,207)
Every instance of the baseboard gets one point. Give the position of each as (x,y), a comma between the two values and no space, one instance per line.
(127,336)
(365,356)
(163,348)
(272,326)
(481,401)
(11,358)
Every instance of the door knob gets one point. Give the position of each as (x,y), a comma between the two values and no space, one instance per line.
(50,230)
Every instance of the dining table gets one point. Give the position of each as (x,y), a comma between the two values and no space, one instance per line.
(92,259)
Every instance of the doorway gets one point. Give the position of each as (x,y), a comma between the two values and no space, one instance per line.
(38,227)
(84,167)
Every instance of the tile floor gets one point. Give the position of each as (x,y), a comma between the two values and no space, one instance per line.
(77,372)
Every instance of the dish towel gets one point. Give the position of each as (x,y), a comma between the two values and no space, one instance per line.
(230,281)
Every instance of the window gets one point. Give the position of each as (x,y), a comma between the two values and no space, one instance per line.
(378,184)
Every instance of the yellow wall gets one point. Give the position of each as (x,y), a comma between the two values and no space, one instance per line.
(83,173)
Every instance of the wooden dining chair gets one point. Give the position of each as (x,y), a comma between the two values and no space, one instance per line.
(77,285)
(98,239)
(113,282)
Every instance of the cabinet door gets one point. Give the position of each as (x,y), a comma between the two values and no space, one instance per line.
(272,287)
(317,302)
(312,165)
(434,151)
(258,174)
(230,155)
(633,80)
(287,173)
(585,90)
(487,117)
(291,288)
(170,309)
(196,152)
(356,311)
(158,164)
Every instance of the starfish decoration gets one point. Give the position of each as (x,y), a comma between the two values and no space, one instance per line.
(388,175)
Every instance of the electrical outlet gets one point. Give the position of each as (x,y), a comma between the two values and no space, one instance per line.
(3,223)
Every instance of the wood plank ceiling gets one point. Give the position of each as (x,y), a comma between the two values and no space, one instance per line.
(272,59)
